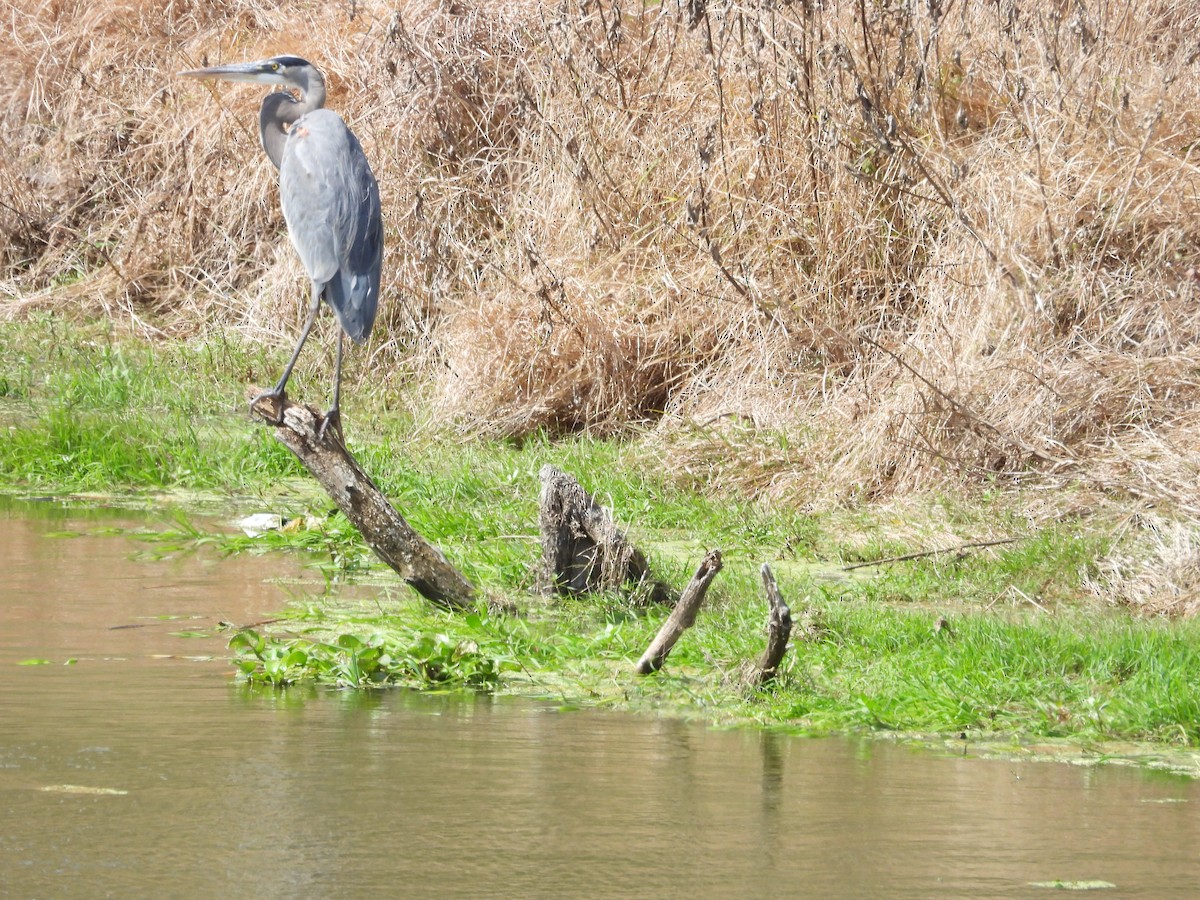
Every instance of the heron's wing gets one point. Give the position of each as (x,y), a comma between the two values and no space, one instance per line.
(331,204)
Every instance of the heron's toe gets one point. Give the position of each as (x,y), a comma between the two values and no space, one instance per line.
(332,420)
(269,405)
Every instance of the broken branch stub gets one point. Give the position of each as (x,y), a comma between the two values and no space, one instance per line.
(779,629)
(386,532)
(682,617)
(582,548)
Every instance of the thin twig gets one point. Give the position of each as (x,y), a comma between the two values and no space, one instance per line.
(973,545)
(1024,596)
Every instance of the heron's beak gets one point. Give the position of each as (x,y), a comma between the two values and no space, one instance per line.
(254,73)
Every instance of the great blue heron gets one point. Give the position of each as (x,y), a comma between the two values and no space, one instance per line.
(329,197)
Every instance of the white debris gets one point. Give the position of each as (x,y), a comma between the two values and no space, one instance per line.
(259,523)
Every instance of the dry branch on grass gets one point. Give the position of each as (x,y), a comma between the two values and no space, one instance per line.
(959,551)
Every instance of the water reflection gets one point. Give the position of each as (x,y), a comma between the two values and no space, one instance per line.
(237,791)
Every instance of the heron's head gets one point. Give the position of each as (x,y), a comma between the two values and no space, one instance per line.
(289,71)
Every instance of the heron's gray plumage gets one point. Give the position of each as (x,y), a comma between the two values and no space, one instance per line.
(329,196)
(331,205)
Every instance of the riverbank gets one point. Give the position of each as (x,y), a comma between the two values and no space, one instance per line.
(833,254)
(1021,640)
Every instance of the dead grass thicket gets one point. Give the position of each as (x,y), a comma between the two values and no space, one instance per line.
(827,252)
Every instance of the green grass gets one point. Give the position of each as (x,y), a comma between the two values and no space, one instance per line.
(1073,676)
(85,411)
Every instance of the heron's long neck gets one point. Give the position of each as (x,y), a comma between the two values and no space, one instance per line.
(280,109)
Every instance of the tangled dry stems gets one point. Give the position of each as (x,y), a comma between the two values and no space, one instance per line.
(827,251)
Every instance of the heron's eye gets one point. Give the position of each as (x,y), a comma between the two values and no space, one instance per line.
(275,67)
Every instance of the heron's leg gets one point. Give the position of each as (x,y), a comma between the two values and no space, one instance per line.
(334,414)
(278,391)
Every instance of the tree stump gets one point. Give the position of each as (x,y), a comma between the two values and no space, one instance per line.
(386,532)
(582,548)
(682,617)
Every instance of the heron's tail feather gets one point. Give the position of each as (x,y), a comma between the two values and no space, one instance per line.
(354,298)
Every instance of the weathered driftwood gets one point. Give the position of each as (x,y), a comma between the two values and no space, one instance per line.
(779,630)
(386,532)
(682,617)
(582,548)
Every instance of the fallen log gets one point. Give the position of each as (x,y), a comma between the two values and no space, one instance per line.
(386,532)
(682,617)
(582,548)
(779,630)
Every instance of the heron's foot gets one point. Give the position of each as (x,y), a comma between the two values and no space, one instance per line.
(332,420)
(270,404)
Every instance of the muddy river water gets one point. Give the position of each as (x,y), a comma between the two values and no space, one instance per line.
(143,769)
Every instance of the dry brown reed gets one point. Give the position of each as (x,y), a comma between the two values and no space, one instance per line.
(1161,577)
(829,252)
